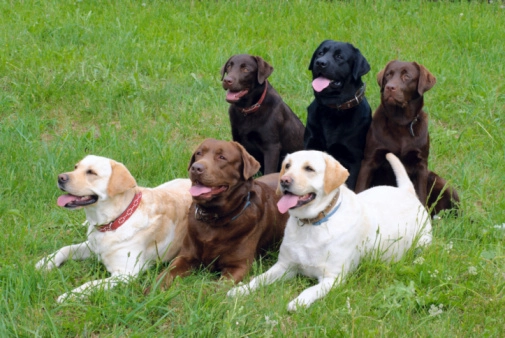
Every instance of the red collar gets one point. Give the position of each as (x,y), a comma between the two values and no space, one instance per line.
(123,217)
(257,105)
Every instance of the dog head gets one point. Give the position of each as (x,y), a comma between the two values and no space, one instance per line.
(93,179)
(337,68)
(402,82)
(242,73)
(308,181)
(217,168)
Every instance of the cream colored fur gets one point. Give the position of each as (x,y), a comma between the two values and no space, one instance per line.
(382,222)
(154,231)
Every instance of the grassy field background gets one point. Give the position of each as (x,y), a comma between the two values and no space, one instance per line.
(139,82)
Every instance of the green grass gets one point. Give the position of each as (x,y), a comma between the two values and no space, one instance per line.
(139,82)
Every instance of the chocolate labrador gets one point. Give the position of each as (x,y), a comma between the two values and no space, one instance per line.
(339,116)
(400,126)
(233,217)
(260,120)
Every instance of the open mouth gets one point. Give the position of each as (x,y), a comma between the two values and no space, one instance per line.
(199,190)
(71,201)
(232,96)
(291,201)
(320,83)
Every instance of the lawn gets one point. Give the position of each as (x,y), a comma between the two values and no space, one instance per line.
(139,82)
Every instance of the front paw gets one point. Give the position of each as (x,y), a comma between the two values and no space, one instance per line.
(296,304)
(238,291)
(46,263)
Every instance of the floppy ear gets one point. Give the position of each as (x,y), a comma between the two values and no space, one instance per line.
(251,166)
(380,75)
(264,69)
(223,69)
(313,59)
(283,170)
(361,65)
(120,179)
(334,175)
(426,79)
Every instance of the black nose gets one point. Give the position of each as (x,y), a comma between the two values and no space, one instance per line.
(62,178)
(197,168)
(286,181)
(322,63)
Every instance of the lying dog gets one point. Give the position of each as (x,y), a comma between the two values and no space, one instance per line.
(331,228)
(128,227)
(339,117)
(260,120)
(400,126)
(233,217)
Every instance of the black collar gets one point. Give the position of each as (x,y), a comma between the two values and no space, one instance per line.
(208,217)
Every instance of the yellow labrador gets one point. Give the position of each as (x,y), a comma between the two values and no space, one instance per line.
(331,228)
(129,227)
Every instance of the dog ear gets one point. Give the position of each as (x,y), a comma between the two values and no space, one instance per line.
(361,65)
(426,79)
(264,69)
(380,75)
(334,175)
(120,179)
(223,69)
(251,166)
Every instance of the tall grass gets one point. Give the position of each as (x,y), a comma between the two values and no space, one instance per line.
(139,82)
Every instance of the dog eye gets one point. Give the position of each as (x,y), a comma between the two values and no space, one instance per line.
(287,165)
(90,172)
(309,168)
(245,70)
(338,57)
(221,157)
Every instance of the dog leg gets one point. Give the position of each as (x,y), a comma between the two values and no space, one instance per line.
(271,159)
(86,289)
(76,251)
(308,296)
(276,272)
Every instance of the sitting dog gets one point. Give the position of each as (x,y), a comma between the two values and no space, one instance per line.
(233,217)
(339,117)
(128,227)
(400,126)
(260,120)
(331,228)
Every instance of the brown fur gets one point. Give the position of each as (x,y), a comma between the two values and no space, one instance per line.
(403,85)
(229,243)
(273,130)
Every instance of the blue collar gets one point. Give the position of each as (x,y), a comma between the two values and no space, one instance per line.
(325,215)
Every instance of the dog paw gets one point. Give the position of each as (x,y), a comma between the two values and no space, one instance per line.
(296,304)
(45,264)
(64,297)
(238,291)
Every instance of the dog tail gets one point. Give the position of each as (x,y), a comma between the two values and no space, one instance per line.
(402,178)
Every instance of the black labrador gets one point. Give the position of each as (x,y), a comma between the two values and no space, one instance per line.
(339,117)
(260,120)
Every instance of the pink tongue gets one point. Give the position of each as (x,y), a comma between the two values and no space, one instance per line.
(287,202)
(198,190)
(64,199)
(320,83)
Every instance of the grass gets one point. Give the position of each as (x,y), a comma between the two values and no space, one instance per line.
(139,82)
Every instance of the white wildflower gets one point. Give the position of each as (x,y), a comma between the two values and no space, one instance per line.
(449,246)
(348,304)
(419,260)
(472,270)
(270,321)
(435,310)
(433,274)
